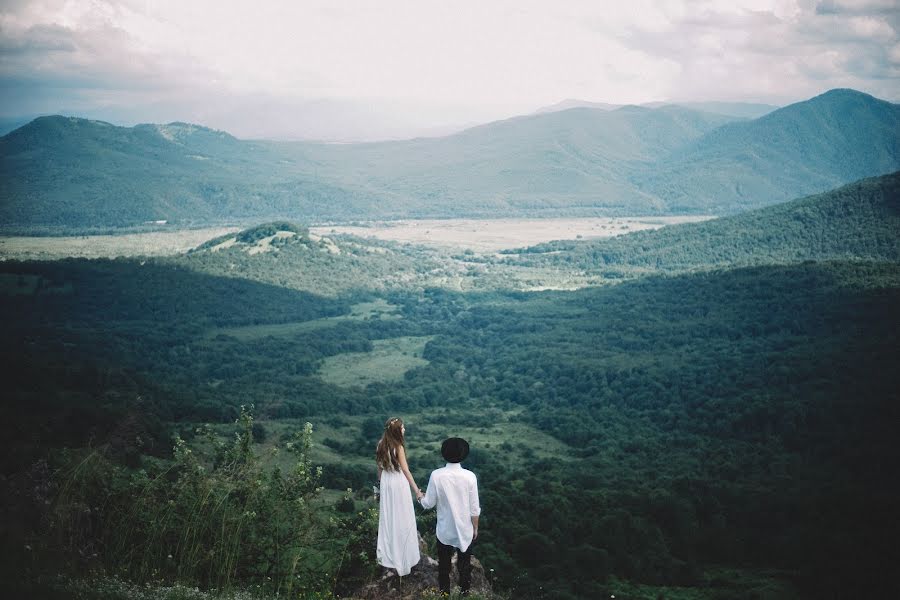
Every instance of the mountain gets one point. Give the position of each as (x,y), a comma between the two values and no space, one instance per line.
(70,172)
(859,221)
(575,103)
(802,149)
(743,110)
(633,160)
(8,124)
(77,173)
(740,110)
(552,162)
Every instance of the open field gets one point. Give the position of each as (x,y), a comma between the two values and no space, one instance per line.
(479,235)
(377,309)
(389,360)
(491,235)
(488,431)
(155,243)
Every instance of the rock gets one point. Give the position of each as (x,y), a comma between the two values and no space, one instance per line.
(423,578)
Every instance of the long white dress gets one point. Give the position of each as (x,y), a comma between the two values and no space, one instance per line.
(398,539)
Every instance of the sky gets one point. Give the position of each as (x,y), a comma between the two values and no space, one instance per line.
(364,69)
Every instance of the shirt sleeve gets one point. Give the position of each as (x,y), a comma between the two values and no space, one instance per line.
(430,497)
(474,505)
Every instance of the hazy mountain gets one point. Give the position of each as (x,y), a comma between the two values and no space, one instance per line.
(551,162)
(62,171)
(804,148)
(575,103)
(859,221)
(8,124)
(742,110)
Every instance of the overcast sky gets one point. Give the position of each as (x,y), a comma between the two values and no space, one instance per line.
(340,69)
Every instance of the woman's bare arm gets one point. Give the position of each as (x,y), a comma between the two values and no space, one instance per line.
(401,456)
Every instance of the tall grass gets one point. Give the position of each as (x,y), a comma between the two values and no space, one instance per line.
(212,517)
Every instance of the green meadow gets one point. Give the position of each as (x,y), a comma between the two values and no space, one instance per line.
(362,311)
(389,360)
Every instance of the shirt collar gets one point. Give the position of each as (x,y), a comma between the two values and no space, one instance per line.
(454,466)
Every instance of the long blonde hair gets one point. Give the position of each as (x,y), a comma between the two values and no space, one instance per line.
(386,453)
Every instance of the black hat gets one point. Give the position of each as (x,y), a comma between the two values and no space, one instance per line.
(455,450)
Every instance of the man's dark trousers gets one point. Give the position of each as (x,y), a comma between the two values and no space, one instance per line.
(463,565)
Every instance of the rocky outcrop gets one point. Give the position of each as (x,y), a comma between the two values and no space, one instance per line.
(421,582)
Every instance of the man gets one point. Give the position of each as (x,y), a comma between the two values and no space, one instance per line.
(455,492)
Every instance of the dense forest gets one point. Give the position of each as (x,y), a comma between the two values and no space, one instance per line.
(660,431)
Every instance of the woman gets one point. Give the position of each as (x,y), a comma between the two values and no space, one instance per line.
(398,540)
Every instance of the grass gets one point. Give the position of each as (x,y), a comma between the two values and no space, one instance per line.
(388,361)
(378,309)
(155,243)
(719,584)
(499,434)
(115,588)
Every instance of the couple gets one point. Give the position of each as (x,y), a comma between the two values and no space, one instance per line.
(452,489)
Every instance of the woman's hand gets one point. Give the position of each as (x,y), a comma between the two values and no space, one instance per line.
(419,494)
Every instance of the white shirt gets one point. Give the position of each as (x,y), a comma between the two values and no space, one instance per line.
(455,492)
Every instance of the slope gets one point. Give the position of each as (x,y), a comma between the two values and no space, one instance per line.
(859,221)
(79,173)
(804,148)
(567,160)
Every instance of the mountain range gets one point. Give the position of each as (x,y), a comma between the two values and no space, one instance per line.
(66,172)
(745,110)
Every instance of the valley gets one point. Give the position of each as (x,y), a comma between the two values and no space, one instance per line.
(668,333)
(677,406)
(478,235)
(492,235)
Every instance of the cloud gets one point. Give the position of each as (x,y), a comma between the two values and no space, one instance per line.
(450,62)
(777,52)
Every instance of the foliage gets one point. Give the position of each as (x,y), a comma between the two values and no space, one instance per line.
(637,436)
(212,517)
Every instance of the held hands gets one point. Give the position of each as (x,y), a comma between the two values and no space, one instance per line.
(419,494)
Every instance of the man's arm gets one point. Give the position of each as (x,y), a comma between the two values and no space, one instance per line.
(430,497)
(474,505)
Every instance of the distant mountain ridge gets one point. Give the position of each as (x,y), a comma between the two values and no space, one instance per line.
(68,172)
(811,146)
(743,110)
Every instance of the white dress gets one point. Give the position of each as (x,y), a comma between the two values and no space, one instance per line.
(398,539)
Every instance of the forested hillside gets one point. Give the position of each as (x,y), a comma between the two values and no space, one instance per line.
(804,148)
(738,417)
(857,221)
